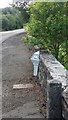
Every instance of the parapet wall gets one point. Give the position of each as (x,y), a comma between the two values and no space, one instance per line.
(51,69)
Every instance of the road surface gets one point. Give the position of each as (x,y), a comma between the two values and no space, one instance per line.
(17,69)
(3,37)
(7,34)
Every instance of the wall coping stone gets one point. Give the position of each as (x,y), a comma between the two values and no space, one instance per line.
(55,68)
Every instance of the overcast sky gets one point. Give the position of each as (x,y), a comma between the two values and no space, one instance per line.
(5,3)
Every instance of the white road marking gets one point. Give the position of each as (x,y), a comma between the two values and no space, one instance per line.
(20,86)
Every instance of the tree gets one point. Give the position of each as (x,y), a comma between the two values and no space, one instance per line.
(48,25)
(22,7)
(11,19)
(5,23)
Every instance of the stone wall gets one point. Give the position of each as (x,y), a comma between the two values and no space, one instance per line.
(51,69)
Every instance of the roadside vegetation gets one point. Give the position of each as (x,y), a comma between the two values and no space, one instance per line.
(46,25)
(47,28)
(11,19)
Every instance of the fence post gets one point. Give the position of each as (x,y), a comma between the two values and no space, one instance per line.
(54,100)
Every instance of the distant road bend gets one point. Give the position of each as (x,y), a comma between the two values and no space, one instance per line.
(7,34)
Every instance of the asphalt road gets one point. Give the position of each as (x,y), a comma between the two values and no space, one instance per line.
(7,34)
(17,69)
(3,37)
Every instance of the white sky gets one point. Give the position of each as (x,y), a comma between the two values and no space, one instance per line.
(5,3)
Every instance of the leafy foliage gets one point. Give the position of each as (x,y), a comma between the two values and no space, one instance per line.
(48,26)
(25,15)
(11,19)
